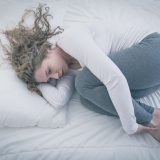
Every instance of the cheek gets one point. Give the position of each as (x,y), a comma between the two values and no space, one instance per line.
(55,66)
(60,63)
(38,76)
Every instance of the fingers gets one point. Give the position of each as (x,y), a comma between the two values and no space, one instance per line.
(142,129)
(146,128)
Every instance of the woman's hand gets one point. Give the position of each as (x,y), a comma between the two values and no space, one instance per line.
(143,129)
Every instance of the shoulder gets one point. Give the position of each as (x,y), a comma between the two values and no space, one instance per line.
(75,30)
(73,36)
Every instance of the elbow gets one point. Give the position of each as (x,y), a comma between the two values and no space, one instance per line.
(62,103)
(63,100)
(56,102)
(58,105)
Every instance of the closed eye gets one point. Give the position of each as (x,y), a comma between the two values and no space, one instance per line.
(49,71)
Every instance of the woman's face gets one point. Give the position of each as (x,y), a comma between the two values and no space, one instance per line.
(53,66)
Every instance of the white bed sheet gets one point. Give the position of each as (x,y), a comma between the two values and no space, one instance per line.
(88,135)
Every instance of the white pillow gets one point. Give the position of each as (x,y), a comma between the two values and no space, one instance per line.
(21,108)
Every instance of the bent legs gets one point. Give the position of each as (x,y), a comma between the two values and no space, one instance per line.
(94,95)
(140,65)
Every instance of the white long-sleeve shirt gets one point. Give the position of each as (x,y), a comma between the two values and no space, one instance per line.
(90,44)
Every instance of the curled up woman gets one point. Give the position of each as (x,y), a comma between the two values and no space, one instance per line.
(112,75)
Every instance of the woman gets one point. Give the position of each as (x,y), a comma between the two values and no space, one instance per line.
(107,66)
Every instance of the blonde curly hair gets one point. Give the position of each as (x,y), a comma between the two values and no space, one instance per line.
(28,45)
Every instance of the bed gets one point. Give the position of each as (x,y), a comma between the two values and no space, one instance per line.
(86,135)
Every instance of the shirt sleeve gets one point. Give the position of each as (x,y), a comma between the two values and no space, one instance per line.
(60,94)
(79,43)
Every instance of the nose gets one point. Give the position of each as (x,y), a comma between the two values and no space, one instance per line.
(55,76)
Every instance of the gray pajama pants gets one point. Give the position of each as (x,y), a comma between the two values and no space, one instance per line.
(140,64)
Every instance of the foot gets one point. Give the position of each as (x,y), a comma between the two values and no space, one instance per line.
(155,134)
(155,122)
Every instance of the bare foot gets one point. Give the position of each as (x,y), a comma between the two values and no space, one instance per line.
(155,134)
(155,122)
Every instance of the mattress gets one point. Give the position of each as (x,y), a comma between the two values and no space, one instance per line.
(87,135)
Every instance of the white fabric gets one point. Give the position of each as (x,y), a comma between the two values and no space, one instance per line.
(59,95)
(20,108)
(88,135)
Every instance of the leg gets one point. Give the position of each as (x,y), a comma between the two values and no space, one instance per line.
(142,74)
(140,64)
(100,102)
(91,106)
(94,95)
(139,93)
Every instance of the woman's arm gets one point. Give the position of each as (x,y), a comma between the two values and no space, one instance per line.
(61,93)
(78,42)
